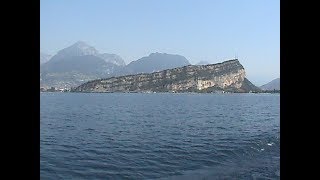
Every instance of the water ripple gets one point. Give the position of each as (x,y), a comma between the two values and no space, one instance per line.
(166,136)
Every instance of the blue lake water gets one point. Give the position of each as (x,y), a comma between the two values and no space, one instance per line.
(159,136)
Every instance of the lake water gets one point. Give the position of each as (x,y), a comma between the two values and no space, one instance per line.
(163,135)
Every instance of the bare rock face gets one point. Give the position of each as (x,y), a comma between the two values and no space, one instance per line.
(226,76)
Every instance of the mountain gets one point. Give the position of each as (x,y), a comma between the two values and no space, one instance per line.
(203,63)
(112,58)
(44,57)
(273,85)
(79,48)
(225,76)
(155,62)
(77,64)
(81,62)
(87,64)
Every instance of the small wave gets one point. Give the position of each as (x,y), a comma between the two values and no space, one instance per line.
(270,144)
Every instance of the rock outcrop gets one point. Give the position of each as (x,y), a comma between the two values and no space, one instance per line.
(227,76)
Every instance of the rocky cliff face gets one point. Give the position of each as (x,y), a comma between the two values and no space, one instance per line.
(226,76)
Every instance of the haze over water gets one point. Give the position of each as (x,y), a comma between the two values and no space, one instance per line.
(162,135)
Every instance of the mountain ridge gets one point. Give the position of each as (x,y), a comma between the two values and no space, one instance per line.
(226,76)
(77,63)
(156,62)
(64,68)
(272,85)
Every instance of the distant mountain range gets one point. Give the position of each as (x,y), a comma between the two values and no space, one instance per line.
(81,62)
(155,62)
(77,64)
(273,85)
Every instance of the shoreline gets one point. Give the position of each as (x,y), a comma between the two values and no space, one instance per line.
(165,92)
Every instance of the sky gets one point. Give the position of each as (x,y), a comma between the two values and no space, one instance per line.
(200,30)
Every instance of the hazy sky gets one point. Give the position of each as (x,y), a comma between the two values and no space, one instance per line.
(200,30)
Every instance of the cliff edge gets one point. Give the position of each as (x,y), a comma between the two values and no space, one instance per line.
(227,76)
